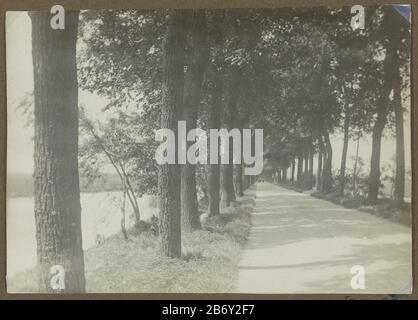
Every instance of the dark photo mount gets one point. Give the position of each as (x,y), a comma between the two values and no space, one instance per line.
(89,208)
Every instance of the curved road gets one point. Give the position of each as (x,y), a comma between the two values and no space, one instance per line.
(301,244)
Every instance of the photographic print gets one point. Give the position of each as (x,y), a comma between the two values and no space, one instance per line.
(261,151)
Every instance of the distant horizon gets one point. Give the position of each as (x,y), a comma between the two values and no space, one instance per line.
(20,184)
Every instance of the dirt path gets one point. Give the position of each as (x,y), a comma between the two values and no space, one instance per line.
(300,244)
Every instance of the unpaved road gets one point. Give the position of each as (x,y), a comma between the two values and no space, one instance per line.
(300,244)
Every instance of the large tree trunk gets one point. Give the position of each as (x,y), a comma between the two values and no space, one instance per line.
(227,180)
(374,178)
(319,171)
(239,188)
(197,58)
(56,179)
(344,154)
(306,166)
(214,169)
(327,174)
(245,180)
(227,185)
(311,158)
(293,169)
(172,92)
(379,125)
(278,175)
(284,176)
(213,172)
(320,164)
(390,72)
(239,170)
(299,175)
(400,143)
(355,167)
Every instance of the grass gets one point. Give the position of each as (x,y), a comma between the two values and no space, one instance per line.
(385,208)
(209,262)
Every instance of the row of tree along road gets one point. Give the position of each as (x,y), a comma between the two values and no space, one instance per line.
(299,74)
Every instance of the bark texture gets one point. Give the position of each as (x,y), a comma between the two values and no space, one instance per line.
(227,180)
(299,175)
(311,159)
(197,62)
(293,169)
(56,179)
(213,170)
(239,187)
(391,73)
(400,142)
(344,154)
(169,174)
(327,185)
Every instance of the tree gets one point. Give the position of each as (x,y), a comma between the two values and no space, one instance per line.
(172,102)
(327,185)
(113,63)
(311,169)
(350,70)
(214,121)
(402,62)
(227,170)
(198,54)
(400,142)
(389,74)
(321,157)
(116,146)
(356,161)
(56,180)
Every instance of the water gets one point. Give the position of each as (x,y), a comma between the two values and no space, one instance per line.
(100,215)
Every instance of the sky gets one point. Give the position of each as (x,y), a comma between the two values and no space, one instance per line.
(19,70)
(20,81)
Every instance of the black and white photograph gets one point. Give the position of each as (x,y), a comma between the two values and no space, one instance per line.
(238,150)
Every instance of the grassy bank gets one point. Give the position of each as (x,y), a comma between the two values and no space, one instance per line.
(385,208)
(209,263)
